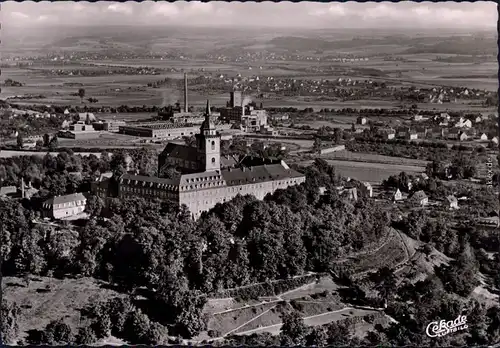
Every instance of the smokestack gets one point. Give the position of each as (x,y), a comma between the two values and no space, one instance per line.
(22,188)
(185,93)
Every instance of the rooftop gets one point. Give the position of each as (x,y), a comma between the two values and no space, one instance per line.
(66,199)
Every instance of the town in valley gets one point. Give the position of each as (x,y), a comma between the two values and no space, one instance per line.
(210,173)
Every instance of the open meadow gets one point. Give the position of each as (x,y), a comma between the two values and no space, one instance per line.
(374,173)
(43,299)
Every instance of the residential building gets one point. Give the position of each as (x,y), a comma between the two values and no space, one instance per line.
(402,132)
(483,137)
(463,123)
(462,136)
(369,188)
(387,132)
(419,198)
(453,133)
(452,202)
(6,191)
(361,120)
(397,196)
(412,135)
(60,207)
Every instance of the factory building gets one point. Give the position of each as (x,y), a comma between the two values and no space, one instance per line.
(185,114)
(163,130)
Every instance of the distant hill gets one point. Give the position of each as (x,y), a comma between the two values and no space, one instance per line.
(470,45)
(459,45)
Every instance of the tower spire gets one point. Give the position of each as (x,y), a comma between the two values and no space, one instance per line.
(207,110)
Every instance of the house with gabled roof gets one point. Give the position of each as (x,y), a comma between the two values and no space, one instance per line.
(420,198)
(397,196)
(60,207)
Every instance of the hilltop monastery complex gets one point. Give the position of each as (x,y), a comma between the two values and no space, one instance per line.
(207,177)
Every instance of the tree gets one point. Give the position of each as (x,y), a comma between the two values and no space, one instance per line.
(317,144)
(118,163)
(337,135)
(385,282)
(54,143)
(94,206)
(191,319)
(20,141)
(136,327)
(46,140)
(81,94)
(9,312)
(293,331)
(57,332)
(119,309)
(85,336)
(460,276)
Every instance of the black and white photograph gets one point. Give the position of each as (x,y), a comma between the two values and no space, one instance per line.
(249,173)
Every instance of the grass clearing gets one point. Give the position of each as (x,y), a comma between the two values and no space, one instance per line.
(46,299)
(225,322)
(324,284)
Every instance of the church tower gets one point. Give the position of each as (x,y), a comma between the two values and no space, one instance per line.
(208,144)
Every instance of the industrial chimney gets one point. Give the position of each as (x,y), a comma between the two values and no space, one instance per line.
(185,93)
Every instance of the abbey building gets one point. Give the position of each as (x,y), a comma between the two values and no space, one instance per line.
(209,178)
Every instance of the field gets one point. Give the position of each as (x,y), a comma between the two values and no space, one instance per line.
(112,90)
(374,158)
(116,90)
(317,303)
(46,299)
(371,172)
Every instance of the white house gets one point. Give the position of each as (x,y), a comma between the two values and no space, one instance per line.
(398,196)
(483,137)
(361,120)
(452,202)
(60,207)
(412,135)
(463,123)
(369,188)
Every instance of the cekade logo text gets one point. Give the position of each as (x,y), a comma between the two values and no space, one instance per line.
(443,327)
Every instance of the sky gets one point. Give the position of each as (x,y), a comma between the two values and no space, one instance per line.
(406,14)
